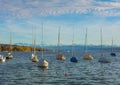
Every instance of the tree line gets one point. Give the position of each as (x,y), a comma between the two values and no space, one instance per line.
(6,47)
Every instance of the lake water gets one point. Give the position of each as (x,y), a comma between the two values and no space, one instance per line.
(21,71)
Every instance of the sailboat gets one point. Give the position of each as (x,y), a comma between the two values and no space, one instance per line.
(73,58)
(2,59)
(112,53)
(10,56)
(59,55)
(34,55)
(87,56)
(102,58)
(42,62)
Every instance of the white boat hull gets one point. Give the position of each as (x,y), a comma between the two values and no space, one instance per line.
(2,59)
(34,58)
(10,56)
(43,63)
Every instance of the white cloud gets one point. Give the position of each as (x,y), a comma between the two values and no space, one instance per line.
(29,8)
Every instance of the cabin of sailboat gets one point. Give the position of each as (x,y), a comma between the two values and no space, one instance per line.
(10,56)
(42,62)
(59,55)
(87,56)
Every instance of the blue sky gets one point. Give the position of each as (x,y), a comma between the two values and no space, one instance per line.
(21,16)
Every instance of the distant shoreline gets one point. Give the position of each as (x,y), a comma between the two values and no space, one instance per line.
(6,48)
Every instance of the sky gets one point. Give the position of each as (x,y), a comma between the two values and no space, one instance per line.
(21,16)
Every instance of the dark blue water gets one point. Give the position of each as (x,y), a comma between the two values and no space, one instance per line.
(21,71)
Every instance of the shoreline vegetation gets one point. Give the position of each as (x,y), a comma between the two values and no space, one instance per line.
(20,48)
(17,48)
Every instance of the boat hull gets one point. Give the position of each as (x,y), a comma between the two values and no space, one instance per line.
(43,63)
(61,57)
(112,54)
(104,60)
(88,57)
(2,59)
(9,57)
(34,58)
(74,59)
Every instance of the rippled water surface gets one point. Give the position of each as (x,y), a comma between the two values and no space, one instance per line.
(21,71)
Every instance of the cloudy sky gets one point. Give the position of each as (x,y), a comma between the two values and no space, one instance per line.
(21,16)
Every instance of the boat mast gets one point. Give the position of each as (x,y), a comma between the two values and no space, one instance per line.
(112,45)
(101,42)
(10,42)
(73,44)
(34,42)
(86,41)
(58,41)
(42,41)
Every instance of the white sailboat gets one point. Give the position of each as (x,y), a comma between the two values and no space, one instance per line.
(10,56)
(102,58)
(42,62)
(112,53)
(34,55)
(59,56)
(87,56)
(2,59)
(73,58)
